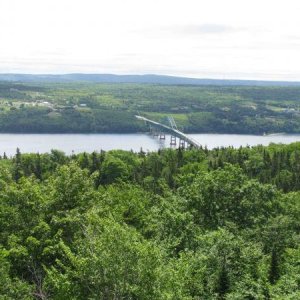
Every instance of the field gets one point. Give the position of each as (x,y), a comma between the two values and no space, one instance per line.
(103,108)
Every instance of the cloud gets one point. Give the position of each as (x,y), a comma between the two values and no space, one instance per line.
(206,29)
(187,30)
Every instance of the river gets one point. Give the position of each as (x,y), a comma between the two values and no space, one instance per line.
(95,142)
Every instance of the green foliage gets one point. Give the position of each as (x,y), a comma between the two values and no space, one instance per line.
(12,288)
(226,195)
(176,224)
(113,262)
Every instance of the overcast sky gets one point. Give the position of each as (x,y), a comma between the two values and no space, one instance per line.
(245,39)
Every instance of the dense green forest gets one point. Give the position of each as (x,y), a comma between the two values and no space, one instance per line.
(173,224)
(111,108)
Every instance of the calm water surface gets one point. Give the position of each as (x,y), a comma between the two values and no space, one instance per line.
(95,142)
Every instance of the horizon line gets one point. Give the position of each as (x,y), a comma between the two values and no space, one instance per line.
(149,74)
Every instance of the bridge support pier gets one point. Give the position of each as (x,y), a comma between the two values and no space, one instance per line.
(162,136)
(153,131)
(173,140)
(182,144)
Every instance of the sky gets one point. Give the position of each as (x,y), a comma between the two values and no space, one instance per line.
(226,39)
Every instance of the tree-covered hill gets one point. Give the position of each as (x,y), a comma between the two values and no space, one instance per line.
(174,224)
(101,108)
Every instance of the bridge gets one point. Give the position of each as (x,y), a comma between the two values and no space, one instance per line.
(173,131)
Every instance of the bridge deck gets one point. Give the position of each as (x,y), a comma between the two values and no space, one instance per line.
(173,131)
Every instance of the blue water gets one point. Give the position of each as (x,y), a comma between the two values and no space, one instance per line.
(95,142)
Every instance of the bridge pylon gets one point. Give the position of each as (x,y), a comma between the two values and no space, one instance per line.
(173,140)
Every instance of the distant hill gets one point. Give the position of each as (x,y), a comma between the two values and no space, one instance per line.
(154,79)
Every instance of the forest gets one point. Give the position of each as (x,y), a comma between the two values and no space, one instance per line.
(111,108)
(174,224)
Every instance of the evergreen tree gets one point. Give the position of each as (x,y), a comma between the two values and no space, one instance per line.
(17,170)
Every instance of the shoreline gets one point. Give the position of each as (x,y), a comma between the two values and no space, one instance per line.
(148,133)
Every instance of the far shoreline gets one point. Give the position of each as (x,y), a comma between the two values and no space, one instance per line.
(148,133)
